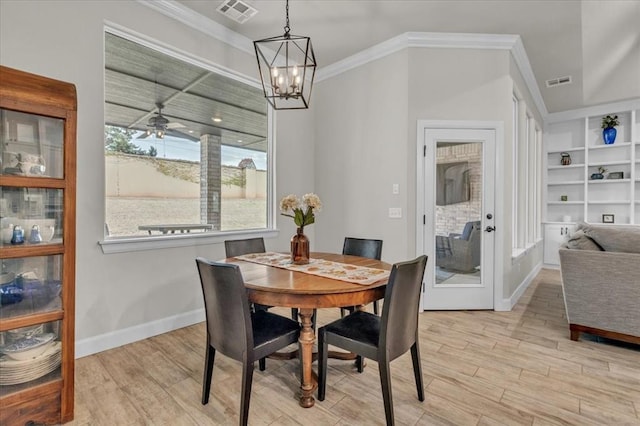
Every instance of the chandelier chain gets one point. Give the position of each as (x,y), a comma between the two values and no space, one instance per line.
(286,27)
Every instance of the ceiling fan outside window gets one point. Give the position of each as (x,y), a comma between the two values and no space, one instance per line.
(159,124)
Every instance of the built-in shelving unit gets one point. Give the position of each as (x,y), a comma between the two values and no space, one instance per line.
(570,192)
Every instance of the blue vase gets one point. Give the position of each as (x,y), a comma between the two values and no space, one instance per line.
(609,135)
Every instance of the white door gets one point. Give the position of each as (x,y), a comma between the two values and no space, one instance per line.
(459,218)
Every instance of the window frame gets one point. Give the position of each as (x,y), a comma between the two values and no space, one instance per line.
(115,244)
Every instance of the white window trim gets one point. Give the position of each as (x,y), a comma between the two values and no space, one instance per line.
(125,244)
(514,192)
(111,245)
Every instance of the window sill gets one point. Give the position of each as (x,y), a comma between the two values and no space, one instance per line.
(519,253)
(157,242)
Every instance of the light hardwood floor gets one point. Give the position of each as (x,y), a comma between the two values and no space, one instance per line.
(479,367)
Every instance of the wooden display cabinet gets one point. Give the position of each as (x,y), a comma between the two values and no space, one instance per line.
(37,248)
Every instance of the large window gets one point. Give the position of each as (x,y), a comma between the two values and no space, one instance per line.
(526,152)
(186,144)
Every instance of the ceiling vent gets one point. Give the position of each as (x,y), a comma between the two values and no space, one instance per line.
(237,10)
(559,81)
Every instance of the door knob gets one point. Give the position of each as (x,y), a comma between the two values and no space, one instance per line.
(490,228)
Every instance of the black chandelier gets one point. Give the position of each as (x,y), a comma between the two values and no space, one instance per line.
(287,66)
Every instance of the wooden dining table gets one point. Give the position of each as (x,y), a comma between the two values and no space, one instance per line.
(274,286)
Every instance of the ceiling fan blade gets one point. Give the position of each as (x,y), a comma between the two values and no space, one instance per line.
(142,135)
(175,125)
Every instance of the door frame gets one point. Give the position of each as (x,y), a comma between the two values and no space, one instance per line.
(499,304)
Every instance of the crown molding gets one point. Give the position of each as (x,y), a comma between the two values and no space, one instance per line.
(199,22)
(603,109)
(510,42)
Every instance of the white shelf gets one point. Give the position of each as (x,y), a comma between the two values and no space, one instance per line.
(613,145)
(564,202)
(570,166)
(608,180)
(558,151)
(569,182)
(610,163)
(609,202)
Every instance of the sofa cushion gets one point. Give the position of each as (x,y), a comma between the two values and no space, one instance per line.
(624,239)
(579,241)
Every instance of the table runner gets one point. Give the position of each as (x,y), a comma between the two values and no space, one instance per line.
(324,268)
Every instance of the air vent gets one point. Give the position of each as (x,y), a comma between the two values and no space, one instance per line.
(559,81)
(237,10)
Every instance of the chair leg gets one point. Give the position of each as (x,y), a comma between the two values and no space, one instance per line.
(245,398)
(385,382)
(209,356)
(375,308)
(322,364)
(262,363)
(294,314)
(417,370)
(359,364)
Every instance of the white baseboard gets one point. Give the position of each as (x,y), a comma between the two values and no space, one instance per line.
(117,338)
(509,303)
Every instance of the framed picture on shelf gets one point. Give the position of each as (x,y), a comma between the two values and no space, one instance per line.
(607,218)
(615,175)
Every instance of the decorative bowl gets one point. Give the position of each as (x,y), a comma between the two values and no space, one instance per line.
(29,347)
(11,290)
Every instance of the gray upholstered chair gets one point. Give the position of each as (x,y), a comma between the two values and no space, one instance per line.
(381,339)
(460,252)
(235,331)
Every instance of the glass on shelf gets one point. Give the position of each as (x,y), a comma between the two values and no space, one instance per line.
(30,216)
(29,354)
(30,285)
(31,145)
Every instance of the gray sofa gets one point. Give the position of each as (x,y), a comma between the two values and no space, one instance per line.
(600,266)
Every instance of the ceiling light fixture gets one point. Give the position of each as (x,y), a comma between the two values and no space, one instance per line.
(158,124)
(216,119)
(287,78)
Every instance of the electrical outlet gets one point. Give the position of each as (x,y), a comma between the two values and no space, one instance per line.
(395,212)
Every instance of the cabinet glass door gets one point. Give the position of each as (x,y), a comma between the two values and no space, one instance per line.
(31,145)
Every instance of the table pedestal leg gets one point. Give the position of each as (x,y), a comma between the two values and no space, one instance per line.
(306,340)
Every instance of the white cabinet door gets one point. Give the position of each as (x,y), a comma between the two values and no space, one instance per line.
(554,236)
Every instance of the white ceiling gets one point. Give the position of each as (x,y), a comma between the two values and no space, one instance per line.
(596,42)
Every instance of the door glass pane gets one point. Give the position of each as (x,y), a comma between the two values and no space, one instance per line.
(458,212)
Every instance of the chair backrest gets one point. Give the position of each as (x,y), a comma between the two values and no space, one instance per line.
(362,247)
(239,247)
(399,323)
(466,232)
(226,307)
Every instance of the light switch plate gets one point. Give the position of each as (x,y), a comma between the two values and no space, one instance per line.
(395,212)
(395,188)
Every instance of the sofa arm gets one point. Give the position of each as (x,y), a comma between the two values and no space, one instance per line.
(602,289)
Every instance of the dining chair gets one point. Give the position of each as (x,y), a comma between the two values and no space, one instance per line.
(235,248)
(362,247)
(384,338)
(234,330)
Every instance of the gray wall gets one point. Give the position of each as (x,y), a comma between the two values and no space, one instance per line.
(356,141)
(64,40)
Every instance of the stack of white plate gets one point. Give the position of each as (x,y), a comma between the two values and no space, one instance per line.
(13,372)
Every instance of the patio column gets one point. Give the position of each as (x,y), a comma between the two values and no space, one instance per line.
(210,180)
